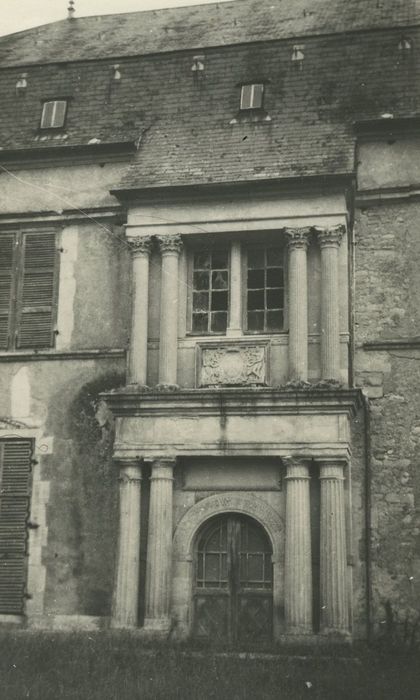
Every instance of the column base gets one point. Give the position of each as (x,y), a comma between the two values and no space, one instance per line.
(160,625)
(167,387)
(120,625)
(302,630)
(331,632)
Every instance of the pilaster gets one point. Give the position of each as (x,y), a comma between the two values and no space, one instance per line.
(234,328)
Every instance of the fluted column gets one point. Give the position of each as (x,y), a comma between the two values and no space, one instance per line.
(329,241)
(298,303)
(137,365)
(298,559)
(159,547)
(333,562)
(235,314)
(170,247)
(126,590)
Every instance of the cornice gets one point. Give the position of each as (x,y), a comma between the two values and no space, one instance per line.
(143,401)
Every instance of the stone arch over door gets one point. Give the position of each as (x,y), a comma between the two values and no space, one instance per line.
(183,551)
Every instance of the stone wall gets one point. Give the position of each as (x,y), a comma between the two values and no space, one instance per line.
(387,313)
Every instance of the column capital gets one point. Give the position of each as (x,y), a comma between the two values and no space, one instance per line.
(129,469)
(330,237)
(170,244)
(297,468)
(332,469)
(140,245)
(162,468)
(298,237)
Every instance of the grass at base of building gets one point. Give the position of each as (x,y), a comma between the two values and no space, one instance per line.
(119,666)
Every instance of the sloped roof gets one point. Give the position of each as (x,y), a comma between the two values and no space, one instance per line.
(186,124)
(199,26)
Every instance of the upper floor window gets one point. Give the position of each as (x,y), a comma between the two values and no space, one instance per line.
(252,96)
(210,291)
(250,277)
(53,114)
(28,289)
(265,290)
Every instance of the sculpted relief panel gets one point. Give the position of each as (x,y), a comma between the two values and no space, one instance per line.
(232,364)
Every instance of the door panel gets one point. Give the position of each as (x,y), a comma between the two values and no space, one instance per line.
(233,581)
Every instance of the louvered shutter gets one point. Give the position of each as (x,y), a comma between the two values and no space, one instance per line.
(15,482)
(6,285)
(37,291)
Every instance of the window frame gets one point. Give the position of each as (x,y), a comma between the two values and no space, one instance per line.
(16,304)
(252,107)
(54,102)
(210,247)
(263,246)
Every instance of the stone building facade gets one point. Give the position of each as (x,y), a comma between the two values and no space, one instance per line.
(209,361)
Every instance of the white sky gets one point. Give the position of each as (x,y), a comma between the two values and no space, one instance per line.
(16,15)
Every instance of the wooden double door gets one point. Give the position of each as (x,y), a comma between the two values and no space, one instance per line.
(233,583)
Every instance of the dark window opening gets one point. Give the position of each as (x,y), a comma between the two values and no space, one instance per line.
(265,290)
(210,292)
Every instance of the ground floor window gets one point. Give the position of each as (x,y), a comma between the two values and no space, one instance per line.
(15,483)
(233,586)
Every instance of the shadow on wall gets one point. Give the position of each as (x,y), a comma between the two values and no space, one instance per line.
(95,493)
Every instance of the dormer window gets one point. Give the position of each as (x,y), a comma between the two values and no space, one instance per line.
(53,114)
(252,96)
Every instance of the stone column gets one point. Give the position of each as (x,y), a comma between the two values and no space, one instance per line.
(298,303)
(126,590)
(329,240)
(137,365)
(235,314)
(159,547)
(333,562)
(170,247)
(298,559)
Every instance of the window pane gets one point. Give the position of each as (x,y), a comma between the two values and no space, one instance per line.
(256,300)
(212,563)
(202,261)
(246,93)
(219,322)
(274,277)
(200,323)
(274,257)
(220,280)
(220,260)
(257,96)
(256,320)
(219,301)
(200,301)
(255,258)
(274,298)
(255,279)
(274,320)
(201,280)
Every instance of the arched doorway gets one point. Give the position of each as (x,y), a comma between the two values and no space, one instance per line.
(233,580)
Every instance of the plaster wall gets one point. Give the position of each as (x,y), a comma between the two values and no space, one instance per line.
(58,187)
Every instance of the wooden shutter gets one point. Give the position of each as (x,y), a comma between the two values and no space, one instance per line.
(15,482)
(6,287)
(37,294)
